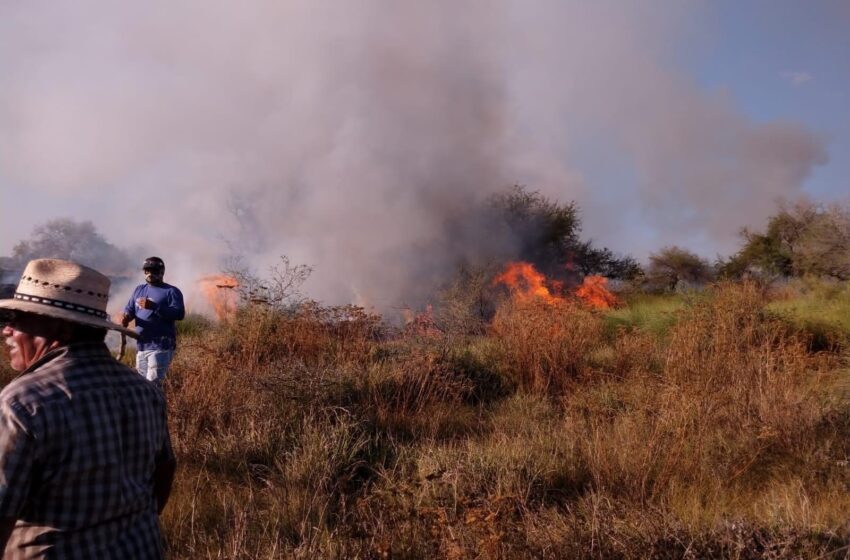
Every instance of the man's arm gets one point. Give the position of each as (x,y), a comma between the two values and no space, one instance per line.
(172,308)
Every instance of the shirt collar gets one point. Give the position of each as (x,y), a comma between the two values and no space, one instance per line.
(78,349)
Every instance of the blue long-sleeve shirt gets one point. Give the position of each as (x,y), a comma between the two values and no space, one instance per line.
(155,327)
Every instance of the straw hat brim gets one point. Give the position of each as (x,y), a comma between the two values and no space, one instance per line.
(64,314)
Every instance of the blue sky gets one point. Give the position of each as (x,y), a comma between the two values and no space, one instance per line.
(786,60)
(773,61)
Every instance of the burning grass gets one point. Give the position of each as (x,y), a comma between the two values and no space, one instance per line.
(556,432)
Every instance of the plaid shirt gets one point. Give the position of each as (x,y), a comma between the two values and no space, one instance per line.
(80,438)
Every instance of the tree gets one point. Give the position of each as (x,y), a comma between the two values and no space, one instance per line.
(800,239)
(546,230)
(772,252)
(80,242)
(281,289)
(591,260)
(823,248)
(548,235)
(8,277)
(672,265)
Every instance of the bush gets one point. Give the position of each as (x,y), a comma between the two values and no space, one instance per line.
(193,324)
(731,406)
(819,308)
(801,239)
(672,266)
(544,346)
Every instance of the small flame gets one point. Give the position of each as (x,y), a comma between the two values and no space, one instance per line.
(422,323)
(525,282)
(594,293)
(220,292)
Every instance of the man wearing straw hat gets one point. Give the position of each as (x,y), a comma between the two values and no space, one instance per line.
(85,456)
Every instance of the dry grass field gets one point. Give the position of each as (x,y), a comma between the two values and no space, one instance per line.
(713,425)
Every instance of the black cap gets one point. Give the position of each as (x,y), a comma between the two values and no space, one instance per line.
(153,263)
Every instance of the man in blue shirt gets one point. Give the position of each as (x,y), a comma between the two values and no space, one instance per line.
(155,306)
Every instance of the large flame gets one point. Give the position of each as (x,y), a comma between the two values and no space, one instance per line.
(593,292)
(220,292)
(525,282)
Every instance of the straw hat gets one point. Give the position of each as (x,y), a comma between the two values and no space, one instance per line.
(64,290)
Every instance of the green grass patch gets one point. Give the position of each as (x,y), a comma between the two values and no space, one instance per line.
(647,312)
(823,311)
(193,324)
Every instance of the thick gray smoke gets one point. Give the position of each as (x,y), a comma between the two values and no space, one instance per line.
(356,136)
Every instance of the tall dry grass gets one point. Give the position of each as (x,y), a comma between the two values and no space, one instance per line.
(320,433)
(546,346)
(736,414)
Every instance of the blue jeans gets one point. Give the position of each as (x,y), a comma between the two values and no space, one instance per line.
(152,364)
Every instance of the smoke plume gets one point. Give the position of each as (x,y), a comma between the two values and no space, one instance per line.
(359,137)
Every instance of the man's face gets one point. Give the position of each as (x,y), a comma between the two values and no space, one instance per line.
(153,275)
(24,346)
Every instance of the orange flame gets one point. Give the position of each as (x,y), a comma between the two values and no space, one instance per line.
(220,292)
(525,282)
(594,293)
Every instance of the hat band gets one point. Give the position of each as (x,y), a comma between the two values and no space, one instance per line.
(62,304)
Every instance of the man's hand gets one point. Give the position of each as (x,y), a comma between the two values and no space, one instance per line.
(125,320)
(145,303)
